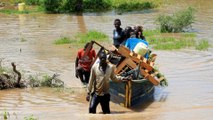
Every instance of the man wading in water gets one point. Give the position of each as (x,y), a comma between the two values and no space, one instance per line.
(98,87)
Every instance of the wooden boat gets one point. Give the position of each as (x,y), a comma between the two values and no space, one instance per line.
(133,91)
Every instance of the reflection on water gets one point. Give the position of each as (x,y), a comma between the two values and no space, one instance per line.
(28,40)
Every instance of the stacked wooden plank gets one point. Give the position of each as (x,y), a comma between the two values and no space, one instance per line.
(132,60)
(134,91)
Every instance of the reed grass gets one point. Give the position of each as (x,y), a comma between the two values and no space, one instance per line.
(203,45)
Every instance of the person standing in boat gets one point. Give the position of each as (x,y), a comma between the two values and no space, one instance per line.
(98,87)
(118,33)
(83,62)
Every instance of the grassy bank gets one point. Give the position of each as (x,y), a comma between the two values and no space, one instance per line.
(132,5)
(69,6)
(27,10)
(82,38)
(174,41)
(156,39)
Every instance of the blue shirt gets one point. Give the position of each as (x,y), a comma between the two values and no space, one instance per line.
(132,42)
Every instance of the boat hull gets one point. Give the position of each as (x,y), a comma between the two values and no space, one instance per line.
(132,92)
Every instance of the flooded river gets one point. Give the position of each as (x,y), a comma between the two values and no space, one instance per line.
(28,40)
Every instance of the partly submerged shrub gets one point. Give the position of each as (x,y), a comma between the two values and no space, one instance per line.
(177,22)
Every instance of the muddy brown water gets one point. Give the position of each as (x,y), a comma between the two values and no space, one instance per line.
(28,40)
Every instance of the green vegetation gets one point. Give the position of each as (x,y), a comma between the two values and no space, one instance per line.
(45,81)
(203,45)
(52,6)
(165,41)
(82,38)
(27,10)
(91,35)
(28,2)
(5,11)
(158,40)
(132,5)
(31,117)
(6,115)
(69,6)
(3,69)
(97,5)
(63,40)
(177,22)
(23,39)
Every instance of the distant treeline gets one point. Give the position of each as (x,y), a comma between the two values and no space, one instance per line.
(67,6)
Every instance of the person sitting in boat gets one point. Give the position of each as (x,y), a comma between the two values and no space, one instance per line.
(83,62)
(118,33)
(137,45)
(128,32)
(139,32)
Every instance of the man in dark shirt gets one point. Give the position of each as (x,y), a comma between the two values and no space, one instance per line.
(118,33)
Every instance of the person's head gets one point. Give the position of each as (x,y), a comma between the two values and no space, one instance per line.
(139,31)
(117,23)
(88,45)
(128,30)
(103,58)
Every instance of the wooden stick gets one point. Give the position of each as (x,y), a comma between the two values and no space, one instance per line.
(17,72)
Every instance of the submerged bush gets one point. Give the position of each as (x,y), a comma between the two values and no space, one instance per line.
(177,22)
